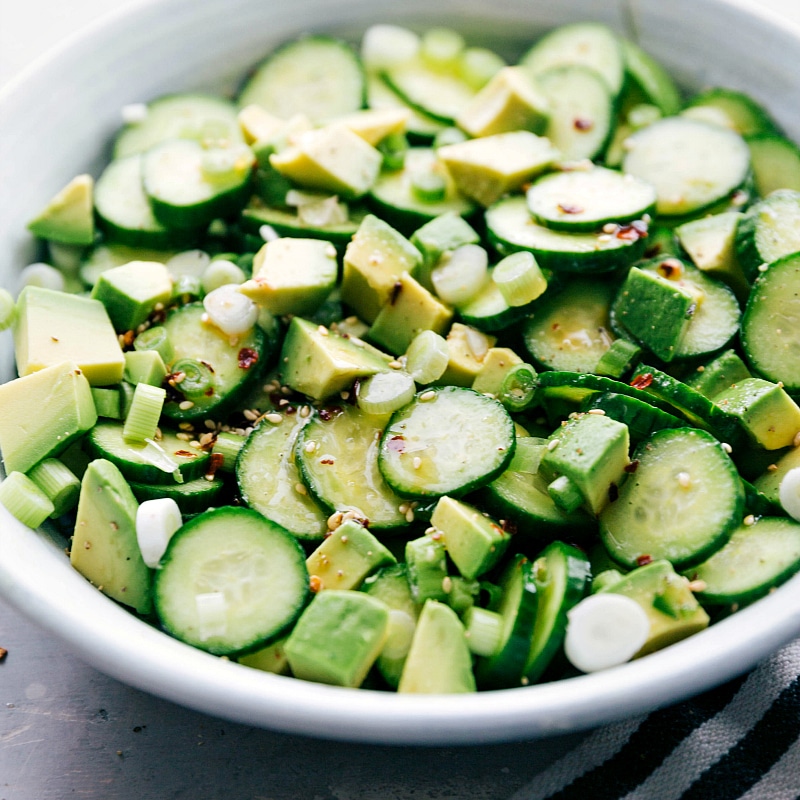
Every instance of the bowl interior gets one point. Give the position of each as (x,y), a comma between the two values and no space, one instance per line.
(58,119)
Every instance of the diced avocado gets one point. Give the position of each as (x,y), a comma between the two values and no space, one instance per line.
(439,236)
(132,292)
(468,350)
(487,168)
(769,483)
(719,375)
(144,366)
(375,124)
(347,556)
(321,363)
(672,609)
(104,546)
(656,310)
(257,123)
(274,140)
(591,451)
(292,276)
(373,262)
(767,412)
(337,638)
(427,568)
(511,101)
(333,159)
(439,661)
(411,309)
(53,327)
(496,364)
(42,413)
(711,244)
(69,217)
(271,658)
(475,542)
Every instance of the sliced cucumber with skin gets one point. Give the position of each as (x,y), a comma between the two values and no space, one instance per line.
(318,76)
(642,418)
(103,257)
(581,120)
(588,44)
(201,117)
(743,114)
(510,228)
(183,194)
(755,560)
(585,200)
(691,164)
(448,440)
(192,497)
(681,503)
(267,476)
(575,387)
(571,331)
(337,455)
(148,462)
(771,324)
(439,95)
(230,582)
(654,82)
(392,196)
(562,574)
(420,128)
(776,162)
(489,311)
(234,364)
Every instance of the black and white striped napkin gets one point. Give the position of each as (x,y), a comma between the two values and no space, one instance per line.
(740,741)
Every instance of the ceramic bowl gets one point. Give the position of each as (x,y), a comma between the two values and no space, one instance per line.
(57,119)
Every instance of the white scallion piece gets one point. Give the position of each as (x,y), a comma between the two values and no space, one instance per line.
(66,257)
(43,276)
(220,273)
(605,630)
(268,233)
(427,357)
(191,262)
(459,277)
(25,500)
(144,414)
(156,522)
(385,46)
(789,493)
(385,392)
(519,279)
(231,311)
(212,613)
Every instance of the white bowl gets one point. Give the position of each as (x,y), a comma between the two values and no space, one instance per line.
(57,120)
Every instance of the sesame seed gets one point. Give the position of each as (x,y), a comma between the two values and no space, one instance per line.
(185,405)
(275,419)
(417,462)
(322,330)
(447,584)
(684,479)
(310,447)
(300,489)
(697,586)
(395,365)
(184,437)
(268,233)
(410,516)
(749,520)
(772,468)
(726,447)
(210,424)
(598,412)
(609,227)
(763,267)
(251,415)
(427,396)
(796,440)
(305,411)
(553,443)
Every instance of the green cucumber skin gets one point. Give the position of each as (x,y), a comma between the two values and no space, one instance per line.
(192,498)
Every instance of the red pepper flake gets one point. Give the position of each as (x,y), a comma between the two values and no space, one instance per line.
(632,466)
(613,492)
(397,444)
(214,463)
(583,124)
(670,268)
(642,381)
(396,289)
(629,233)
(209,392)
(508,526)
(568,208)
(185,454)
(327,414)
(315,583)
(555,326)
(247,358)
(207,365)
(327,461)
(290,410)
(643,560)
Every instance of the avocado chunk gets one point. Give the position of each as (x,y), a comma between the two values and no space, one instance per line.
(411,309)
(373,262)
(332,159)
(132,292)
(292,276)
(769,415)
(69,217)
(475,542)
(257,123)
(591,452)
(426,558)
(719,375)
(144,366)
(375,124)
(320,363)
(468,349)
(347,556)
(53,327)
(496,364)
(338,637)
(439,661)
(672,609)
(104,546)
(769,483)
(487,168)
(511,101)
(43,413)
(441,235)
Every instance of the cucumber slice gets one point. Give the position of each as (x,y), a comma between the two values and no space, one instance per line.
(589,44)
(775,161)
(103,257)
(755,560)
(234,363)
(562,574)
(768,230)
(652,80)
(230,582)
(510,228)
(419,127)
(585,200)
(448,440)
(570,331)
(743,114)
(771,324)
(691,164)
(193,497)
(440,95)
(574,387)
(318,76)
(185,193)
(581,118)
(337,456)
(148,462)
(201,117)
(393,198)
(681,503)
(642,418)
(267,476)
(489,311)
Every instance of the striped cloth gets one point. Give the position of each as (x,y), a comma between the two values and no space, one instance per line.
(739,741)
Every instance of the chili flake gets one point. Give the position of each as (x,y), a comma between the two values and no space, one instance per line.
(247,358)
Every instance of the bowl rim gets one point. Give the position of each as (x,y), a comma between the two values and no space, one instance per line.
(142,656)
